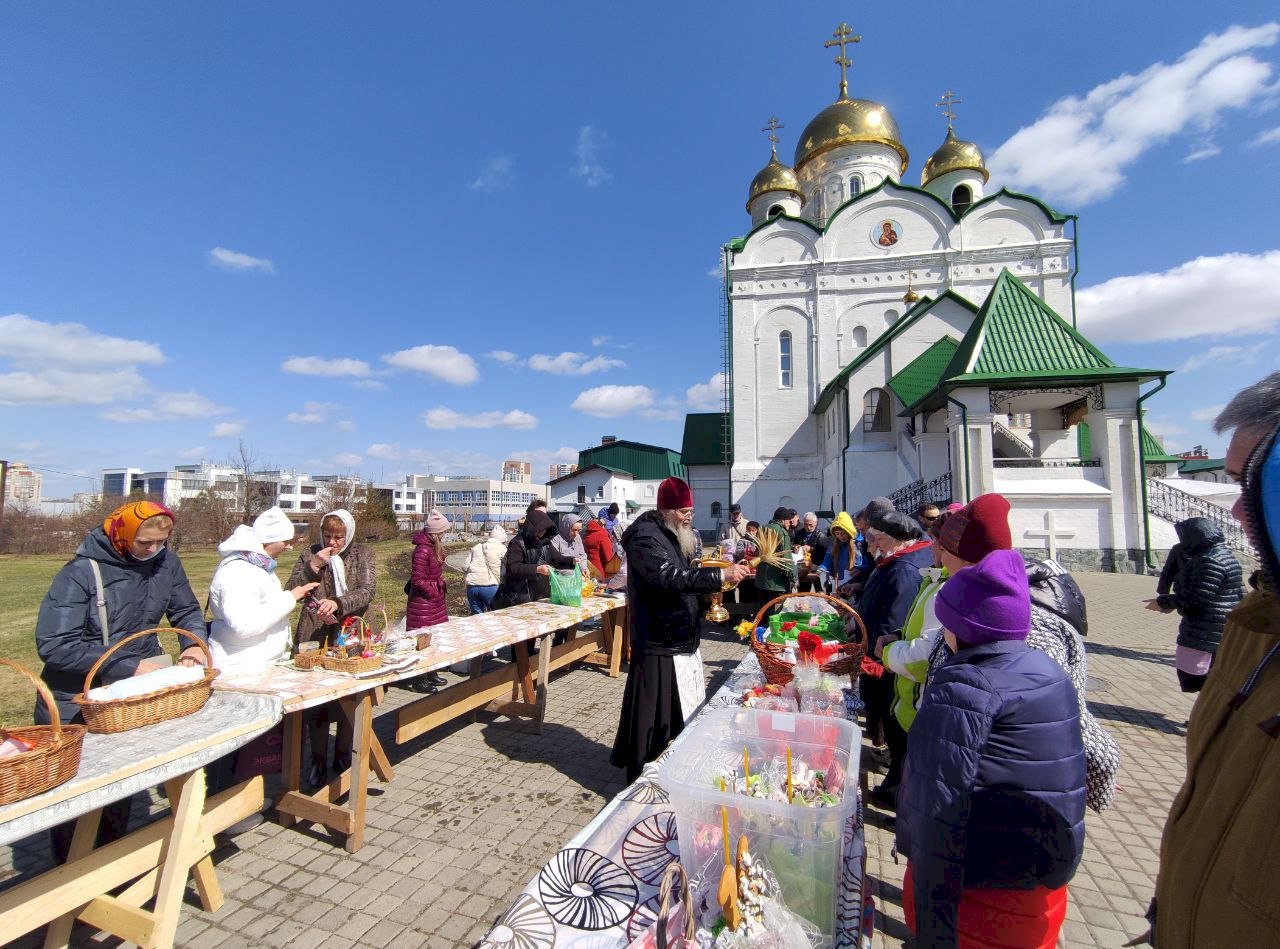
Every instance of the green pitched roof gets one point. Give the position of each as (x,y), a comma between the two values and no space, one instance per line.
(643,462)
(1153,451)
(704,439)
(1192,465)
(923,306)
(922,375)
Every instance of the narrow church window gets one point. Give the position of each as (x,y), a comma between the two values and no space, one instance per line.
(715,510)
(961,198)
(875,411)
(775,210)
(855,186)
(859,337)
(784,360)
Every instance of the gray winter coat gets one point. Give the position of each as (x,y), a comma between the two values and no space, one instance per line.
(139,595)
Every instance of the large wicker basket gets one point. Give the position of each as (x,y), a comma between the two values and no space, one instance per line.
(120,715)
(54,757)
(777,671)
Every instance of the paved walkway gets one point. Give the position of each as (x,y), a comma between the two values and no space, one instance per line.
(477,808)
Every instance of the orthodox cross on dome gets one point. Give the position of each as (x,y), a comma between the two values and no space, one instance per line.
(772,127)
(948,104)
(843,37)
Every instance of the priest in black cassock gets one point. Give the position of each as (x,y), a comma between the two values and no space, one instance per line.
(665,684)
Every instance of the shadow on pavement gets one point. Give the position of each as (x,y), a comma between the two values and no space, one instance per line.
(1124,652)
(1156,721)
(583,760)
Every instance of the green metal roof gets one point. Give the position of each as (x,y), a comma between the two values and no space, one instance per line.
(704,439)
(922,375)
(1153,451)
(1192,465)
(643,462)
(923,306)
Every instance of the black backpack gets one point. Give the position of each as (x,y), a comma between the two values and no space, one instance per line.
(1057,591)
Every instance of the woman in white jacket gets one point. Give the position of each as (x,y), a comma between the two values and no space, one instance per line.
(250,609)
(484,570)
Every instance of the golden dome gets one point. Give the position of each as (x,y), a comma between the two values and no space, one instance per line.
(847,121)
(774,176)
(954,155)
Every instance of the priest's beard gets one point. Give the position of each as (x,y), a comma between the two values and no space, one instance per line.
(686,537)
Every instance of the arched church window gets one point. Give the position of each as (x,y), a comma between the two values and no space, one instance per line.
(784,359)
(833,193)
(859,337)
(890,317)
(855,186)
(961,198)
(875,411)
(715,510)
(776,210)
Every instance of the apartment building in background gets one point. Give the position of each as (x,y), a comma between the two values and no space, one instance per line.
(22,486)
(560,471)
(521,472)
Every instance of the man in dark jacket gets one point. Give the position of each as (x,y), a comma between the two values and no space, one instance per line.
(665,683)
(1206,590)
(809,535)
(770,580)
(885,603)
(993,794)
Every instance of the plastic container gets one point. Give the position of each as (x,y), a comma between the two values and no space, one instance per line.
(805,846)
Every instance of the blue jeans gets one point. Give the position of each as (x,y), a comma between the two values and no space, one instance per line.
(480,599)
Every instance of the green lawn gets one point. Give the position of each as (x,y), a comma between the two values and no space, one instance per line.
(24,580)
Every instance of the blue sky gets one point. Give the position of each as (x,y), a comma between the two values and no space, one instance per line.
(433,236)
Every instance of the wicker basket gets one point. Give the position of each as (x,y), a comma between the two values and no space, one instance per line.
(777,671)
(54,757)
(120,715)
(352,665)
(308,660)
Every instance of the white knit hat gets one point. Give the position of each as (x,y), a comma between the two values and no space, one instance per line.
(273,526)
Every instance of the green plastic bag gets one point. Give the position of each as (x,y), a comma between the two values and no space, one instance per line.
(566,587)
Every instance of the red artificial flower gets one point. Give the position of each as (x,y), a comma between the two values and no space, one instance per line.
(788,626)
(809,642)
(872,668)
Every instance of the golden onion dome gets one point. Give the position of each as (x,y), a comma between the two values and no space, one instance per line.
(774,176)
(847,121)
(954,155)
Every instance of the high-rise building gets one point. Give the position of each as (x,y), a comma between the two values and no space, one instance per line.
(22,485)
(560,471)
(520,472)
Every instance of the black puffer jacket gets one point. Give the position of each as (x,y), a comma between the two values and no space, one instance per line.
(139,594)
(1208,584)
(662,589)
(1055,590)
(529,549)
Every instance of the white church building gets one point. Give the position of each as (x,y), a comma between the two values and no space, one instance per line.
(917,342)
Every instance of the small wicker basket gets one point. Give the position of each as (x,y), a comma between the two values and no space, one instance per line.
(308,660)
(354,664)
(54,757)
(778,671)
(120,715)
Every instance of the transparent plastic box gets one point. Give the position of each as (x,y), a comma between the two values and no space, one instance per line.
(805,847)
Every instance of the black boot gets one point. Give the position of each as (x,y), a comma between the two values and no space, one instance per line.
(435,679)
(319,772)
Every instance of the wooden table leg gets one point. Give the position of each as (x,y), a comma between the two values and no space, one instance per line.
(524,674)
(544,671)
(186,801)
(291,762)
(616,619)
(360,711)
(82,844)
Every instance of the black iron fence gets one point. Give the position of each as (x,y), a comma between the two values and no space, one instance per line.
(909,498)
(1174,505)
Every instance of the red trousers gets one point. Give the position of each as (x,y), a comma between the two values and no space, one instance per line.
(1001,919)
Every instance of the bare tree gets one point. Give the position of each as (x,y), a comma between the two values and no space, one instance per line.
(255,493)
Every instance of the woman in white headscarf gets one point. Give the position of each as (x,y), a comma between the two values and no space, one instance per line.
(347,574)
(568,542)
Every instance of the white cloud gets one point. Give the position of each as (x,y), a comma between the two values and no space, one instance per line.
(1207,414)
(1216,357)
(346,425)
(600,340)
(313,413)
(197,453)
(346,459)
(384,451)
(707,396)
(447,419)
(234,260)
(169,407)
(613,401)
(1201,151)
(504,356)
(1269,137)
(69,387)
(35,344)
(442,362)
(1079,149)
(1169,432)
(372,384)
(497,174)
(319,366)
(1208,296)
(227,430)
(587,151)
(572,364)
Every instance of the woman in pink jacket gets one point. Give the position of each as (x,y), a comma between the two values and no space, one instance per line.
(427,588)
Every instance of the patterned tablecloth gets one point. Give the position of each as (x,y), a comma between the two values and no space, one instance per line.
(115,766)
(460,639)
(601,888)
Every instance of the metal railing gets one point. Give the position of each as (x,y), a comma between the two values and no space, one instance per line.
(1019,443)
(1046,463)
(909,498)
(1172,504)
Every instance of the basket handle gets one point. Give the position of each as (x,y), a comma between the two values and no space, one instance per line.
(862,628)
(674,869)
(54,718)
(208,657)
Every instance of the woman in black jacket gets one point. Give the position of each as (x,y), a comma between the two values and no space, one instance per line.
(529,561)
(1206,590)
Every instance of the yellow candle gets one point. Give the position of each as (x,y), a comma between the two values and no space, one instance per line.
(789,775)
(746,771)
(724,826)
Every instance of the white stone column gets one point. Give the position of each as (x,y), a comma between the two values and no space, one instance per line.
(1114,438)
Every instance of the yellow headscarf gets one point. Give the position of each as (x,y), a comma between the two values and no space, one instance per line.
(845,523)
(121,525)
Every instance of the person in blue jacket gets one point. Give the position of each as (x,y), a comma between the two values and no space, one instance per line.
(991,809)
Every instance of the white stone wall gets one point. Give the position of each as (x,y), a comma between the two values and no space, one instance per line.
(602,488)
